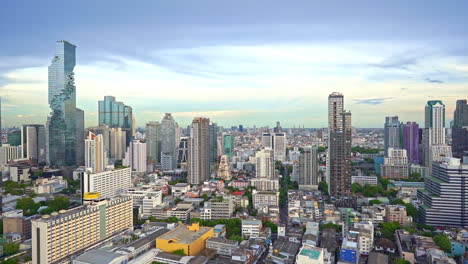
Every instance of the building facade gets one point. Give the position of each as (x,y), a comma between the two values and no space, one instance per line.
(411,141)
(198,162)
(169,141)
(107,183)
(308,167)
(392,133)
(33,142)
(116,115)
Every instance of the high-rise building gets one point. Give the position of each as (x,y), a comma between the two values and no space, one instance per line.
(9,153)
(62,100)
(395,164)
(279,146)
(460,129)
(278,128)
(444,196)
(214,130)
(116,114)
(57,236)
(80,137)
(107,183)
(294,154)
(105,132)
(199,162)
(224,171)
(228,145)
(135,157)
(308,167)
(153,142)
(265,164)
(411,141)
(435,121)
(168,141)
(33,142)
(267,140)
(339,146)
(392,133)
(117,143)
(95,155)
(183,150)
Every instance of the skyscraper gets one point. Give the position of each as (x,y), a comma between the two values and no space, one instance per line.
(460,129)
(153,142)
(80,137)
(117,143)
(411,141)
(116,114)
(308,166)
(228,144)
(95,155)
(199,162)
(267,140)
(339,146)
(279,146)
(265,163)
(214,130)
(33,142)
(135,157)
(224,171)
(392,131)
(62,100)
(168,141)
(435,121)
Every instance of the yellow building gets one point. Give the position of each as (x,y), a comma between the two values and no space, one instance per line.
(192,239)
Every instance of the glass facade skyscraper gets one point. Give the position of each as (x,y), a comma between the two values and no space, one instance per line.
(411,141)
(116,114)
(62,101)
(168,141)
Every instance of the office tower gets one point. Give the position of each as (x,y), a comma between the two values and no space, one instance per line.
(33,142)
(199,162)
(105,132)
(444,196)
(392,131)
(14,137)
(117,114)
(460,129)
(278,128)
(95,155)
(228,145)
(153,142)
(168,141)
(57,237)
(279,146)
(107,183)
(118,138)
(183,150)
(339,146)
(214,130)
(9,153)
(220,145)
(224,171)
(62,101)
(241,128)
(395,164)
(265,164)
(80,137)
(267,140)
(411,141)
(435,121)
(135,157)
(308,167)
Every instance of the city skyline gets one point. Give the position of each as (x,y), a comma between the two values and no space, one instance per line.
(257,68)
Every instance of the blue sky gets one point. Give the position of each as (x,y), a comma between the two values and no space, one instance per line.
(239,62)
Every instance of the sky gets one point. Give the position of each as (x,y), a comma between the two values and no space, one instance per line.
(239,62)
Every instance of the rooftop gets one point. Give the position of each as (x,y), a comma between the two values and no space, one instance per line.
(183,235)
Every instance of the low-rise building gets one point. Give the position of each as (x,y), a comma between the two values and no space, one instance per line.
(396,213)
(222,246)
(54,184)
(191,239)
(265,198)
(251,228)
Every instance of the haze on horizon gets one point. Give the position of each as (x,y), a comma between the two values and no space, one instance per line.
(239,62)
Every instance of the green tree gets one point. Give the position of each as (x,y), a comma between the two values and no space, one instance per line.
(372,202)
(320,149)
(388,229)
(58,203)
(236,238)
(411,210)
(271,225)
(11,249)
(356,188)
(1,227)
(443,242)
(179,252)
(338,228)
(28,206)
(9,261)
(401,261)
(398,201)
(323,186)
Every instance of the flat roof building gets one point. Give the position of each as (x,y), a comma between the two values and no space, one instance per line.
(191,239)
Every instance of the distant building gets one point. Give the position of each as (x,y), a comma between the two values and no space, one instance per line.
(224,170)
(265,164)
(392,133)
(116,115)
(395,164)
(198,158)
(169,141)
(108,183)
(308,167)
(191,239)
(365,180)
(228,145)
(411,141)
(460,129)
(95,156)
(135,157)
(33,142)
(153,142)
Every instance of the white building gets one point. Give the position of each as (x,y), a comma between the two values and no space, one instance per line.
(264,184)
(279,141)
(95,156)
(8,153)
(364,180)
(265,198)
(107,183)
(50,185)
(308,167)
(251,228)
(366,236)
(33,142)
(309,254)
(136,156)
(265,164)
